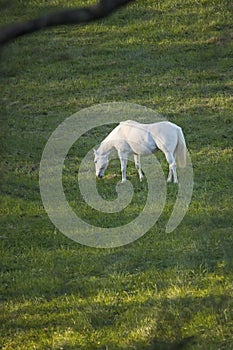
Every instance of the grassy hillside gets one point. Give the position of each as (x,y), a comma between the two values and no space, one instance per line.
(164,291)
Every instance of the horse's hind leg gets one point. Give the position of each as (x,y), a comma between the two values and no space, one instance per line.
(138,166)
(172,167)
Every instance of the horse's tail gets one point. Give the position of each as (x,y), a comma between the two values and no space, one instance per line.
(181,150)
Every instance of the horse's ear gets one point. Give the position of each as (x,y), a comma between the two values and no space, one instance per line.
(94,150)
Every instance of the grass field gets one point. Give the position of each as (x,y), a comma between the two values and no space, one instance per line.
(164,291)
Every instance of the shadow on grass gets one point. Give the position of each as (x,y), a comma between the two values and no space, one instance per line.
(157,344)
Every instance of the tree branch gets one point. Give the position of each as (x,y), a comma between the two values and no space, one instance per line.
(65,17)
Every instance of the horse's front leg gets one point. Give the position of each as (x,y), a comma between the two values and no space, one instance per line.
(123,160)
(138,166)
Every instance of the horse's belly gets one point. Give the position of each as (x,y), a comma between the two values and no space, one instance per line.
(144,150)
(143,145)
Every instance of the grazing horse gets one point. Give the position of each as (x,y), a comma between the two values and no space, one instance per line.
(131,137)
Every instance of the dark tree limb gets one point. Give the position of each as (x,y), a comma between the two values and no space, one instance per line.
(65,17)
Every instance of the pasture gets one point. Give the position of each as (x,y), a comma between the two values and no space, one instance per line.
(165,290)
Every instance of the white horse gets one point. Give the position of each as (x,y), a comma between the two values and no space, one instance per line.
(131,137)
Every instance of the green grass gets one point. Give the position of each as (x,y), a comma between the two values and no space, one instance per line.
(164,290)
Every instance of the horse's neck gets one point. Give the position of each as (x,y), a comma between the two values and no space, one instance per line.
(106,148)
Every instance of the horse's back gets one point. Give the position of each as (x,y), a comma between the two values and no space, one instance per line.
(166,134)
(144,138)
(163,134)
(159,126)
(138,137)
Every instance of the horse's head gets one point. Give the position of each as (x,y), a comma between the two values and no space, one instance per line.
(101,163)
